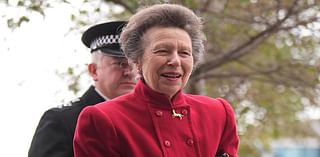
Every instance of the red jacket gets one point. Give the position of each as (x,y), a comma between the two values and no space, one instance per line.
(142,124)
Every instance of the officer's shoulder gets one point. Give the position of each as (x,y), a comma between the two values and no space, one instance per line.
(75,103)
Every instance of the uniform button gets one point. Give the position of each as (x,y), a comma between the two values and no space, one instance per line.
(190,142)
(159,113)
(184,111)
(167,143)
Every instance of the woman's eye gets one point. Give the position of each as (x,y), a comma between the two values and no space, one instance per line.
(185,53)
(161,51)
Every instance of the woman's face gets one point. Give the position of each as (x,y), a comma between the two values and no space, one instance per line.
(167,60)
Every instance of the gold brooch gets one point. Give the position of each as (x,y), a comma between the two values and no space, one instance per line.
(174,114)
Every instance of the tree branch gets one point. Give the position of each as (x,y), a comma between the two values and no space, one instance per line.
(124,4)
(242,49)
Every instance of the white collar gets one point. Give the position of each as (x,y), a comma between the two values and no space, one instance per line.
(100,93)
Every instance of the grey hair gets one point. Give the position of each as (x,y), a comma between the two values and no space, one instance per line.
(96,57)
(164,15)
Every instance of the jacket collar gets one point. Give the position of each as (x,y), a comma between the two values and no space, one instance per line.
(91,97)
(143,91)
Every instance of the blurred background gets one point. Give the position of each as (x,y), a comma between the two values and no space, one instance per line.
(263,56)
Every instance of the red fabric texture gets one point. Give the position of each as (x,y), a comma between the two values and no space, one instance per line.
(140,124)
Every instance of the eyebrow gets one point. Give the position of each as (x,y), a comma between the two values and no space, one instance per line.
(162,44)
(170,45)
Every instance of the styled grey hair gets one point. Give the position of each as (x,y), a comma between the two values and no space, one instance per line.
(164,15)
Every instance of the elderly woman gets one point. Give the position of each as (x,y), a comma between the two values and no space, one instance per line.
(157,119)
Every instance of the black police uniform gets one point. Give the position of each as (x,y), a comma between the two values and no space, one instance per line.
(54,134)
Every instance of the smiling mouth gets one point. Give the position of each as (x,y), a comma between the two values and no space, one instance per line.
(172,75)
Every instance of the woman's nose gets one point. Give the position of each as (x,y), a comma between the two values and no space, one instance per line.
(174,59)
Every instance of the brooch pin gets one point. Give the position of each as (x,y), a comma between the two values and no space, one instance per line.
(174,114)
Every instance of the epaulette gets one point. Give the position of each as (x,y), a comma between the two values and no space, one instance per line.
(70,103)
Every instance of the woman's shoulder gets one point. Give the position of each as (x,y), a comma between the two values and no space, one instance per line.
(206,100)
(201,98)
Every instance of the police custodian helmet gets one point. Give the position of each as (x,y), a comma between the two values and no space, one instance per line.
(105,37)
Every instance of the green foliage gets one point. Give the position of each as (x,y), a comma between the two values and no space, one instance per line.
(72,76)
(11,23)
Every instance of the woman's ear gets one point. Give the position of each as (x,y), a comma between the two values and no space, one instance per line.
(138,66)
(92,68)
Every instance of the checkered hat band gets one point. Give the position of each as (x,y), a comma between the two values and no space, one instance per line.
(104,40)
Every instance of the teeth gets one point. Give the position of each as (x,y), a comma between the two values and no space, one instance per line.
(172,75)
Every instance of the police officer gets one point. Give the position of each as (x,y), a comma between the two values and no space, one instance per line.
(112,77)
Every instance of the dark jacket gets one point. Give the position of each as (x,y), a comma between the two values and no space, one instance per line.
(54,134)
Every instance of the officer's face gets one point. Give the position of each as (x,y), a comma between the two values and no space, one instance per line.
(114,77)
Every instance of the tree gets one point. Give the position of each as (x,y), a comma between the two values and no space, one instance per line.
(262,56)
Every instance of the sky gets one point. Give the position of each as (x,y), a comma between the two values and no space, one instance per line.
(30,57)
